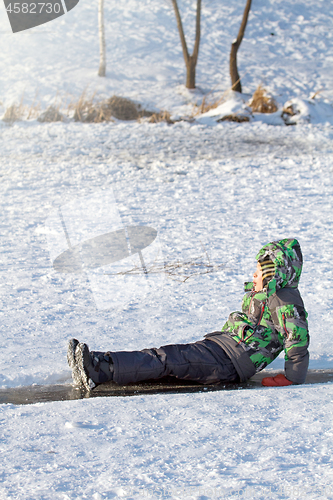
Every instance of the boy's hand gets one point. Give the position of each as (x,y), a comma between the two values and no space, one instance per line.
(278,381)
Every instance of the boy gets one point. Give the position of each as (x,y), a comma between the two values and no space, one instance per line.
(273,318)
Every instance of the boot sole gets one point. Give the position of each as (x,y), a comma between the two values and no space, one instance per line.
(86,381)
(76,375)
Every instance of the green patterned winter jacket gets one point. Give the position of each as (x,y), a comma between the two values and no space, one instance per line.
(272,320)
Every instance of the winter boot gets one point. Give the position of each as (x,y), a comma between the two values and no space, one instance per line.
(72,345)
(95,367)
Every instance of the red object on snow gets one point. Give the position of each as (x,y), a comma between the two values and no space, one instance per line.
(278,381)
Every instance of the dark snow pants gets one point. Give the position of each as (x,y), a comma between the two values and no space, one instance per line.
(203,361)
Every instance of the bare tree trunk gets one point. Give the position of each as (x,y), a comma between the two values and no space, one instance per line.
(190,61)
(102,58)
(235,79)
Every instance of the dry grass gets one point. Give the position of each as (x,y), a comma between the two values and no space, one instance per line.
(289,110)
(162,116)
(13,114)
(34,110)
(87,110)
(261,102)
(123,109)
(52,114)
(207,104)
(234,118)
(17,112)
(314,95)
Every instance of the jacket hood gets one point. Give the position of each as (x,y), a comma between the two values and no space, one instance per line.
(287,257)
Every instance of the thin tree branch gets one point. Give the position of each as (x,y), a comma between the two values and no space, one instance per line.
(181,31)
(241,32)
(235,79)
(197,32)
(102,58)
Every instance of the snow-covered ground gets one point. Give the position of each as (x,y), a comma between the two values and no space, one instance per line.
(216,191)
(265,444)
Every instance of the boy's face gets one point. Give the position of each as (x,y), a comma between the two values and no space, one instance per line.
(257,278)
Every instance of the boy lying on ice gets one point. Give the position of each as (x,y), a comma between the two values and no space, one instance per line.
(273,319)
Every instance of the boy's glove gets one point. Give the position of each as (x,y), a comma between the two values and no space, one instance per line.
(278,381)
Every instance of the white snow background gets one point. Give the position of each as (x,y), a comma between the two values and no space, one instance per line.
(216,189)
